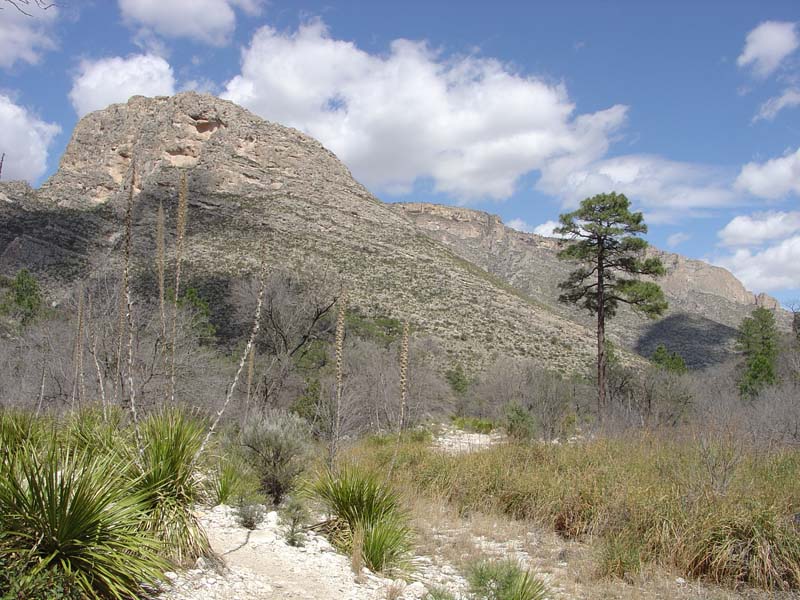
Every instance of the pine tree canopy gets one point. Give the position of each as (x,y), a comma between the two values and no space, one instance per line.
(603,234)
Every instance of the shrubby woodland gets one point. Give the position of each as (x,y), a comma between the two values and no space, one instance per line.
(140,396)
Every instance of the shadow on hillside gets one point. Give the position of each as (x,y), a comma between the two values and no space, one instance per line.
(702,342)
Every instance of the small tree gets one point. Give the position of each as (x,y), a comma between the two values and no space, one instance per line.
(668,361)
(758,341)
(24,298)
(603,234)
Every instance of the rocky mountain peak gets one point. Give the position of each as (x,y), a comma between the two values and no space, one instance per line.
(236,151)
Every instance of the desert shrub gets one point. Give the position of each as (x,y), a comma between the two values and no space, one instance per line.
(439,594)
(170,482)
(249,515)
(520,423)
(88,428)
(473,424)
(73,515)
(358,502)
(294,517)
(20,580)
(277,445)
(504,580)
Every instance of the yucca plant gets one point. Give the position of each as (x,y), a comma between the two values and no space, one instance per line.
(70,514)
(504,580)
(170,482)
(357,501)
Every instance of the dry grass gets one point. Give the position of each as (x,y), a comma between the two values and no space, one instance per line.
(650,494)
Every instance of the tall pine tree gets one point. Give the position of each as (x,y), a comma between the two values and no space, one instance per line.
(603,235)
(758,341)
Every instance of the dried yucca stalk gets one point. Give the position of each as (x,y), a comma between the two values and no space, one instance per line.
(78,387)
(183,209)
(161,268)
(403,376)
(337,407)
(247,350)
(129,308)
(93,352)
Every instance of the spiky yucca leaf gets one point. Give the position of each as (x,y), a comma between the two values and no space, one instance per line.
(73,512)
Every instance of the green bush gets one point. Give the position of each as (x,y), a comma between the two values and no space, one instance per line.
(171,483)
(72,514)
(520,423)
(294,517)
(358,502)
(24,298)
(277,446)
(249,515)
(504,580)
(473,424)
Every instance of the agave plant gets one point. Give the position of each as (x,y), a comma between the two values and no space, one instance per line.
(71,513)
(170,482)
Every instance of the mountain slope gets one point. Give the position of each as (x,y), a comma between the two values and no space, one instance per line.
(253,185)
(707,303)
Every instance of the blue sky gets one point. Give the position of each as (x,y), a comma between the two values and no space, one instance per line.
(518,108)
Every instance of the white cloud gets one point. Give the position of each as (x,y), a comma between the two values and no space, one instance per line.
(208,21)
(109,80)
(24,38)
(547,229)
(770,109)
(470,124)
(666,190)
(520,225)
(25,139)
(774,268)
(676,239)
(767,45)
(773,179)
(754,230)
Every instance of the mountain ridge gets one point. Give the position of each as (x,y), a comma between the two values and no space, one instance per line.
(259,187)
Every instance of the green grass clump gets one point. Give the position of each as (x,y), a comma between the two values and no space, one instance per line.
(504,580)
(620,557)
(69,520)
(230,480)
(361,505)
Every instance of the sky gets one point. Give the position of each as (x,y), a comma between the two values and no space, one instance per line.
(521,109)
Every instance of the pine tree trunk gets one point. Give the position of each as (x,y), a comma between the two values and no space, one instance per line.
(601,336)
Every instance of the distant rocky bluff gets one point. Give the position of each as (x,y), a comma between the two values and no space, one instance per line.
(478,288)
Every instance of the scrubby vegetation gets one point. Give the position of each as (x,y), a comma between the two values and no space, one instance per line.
(120,417)
(640,497)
